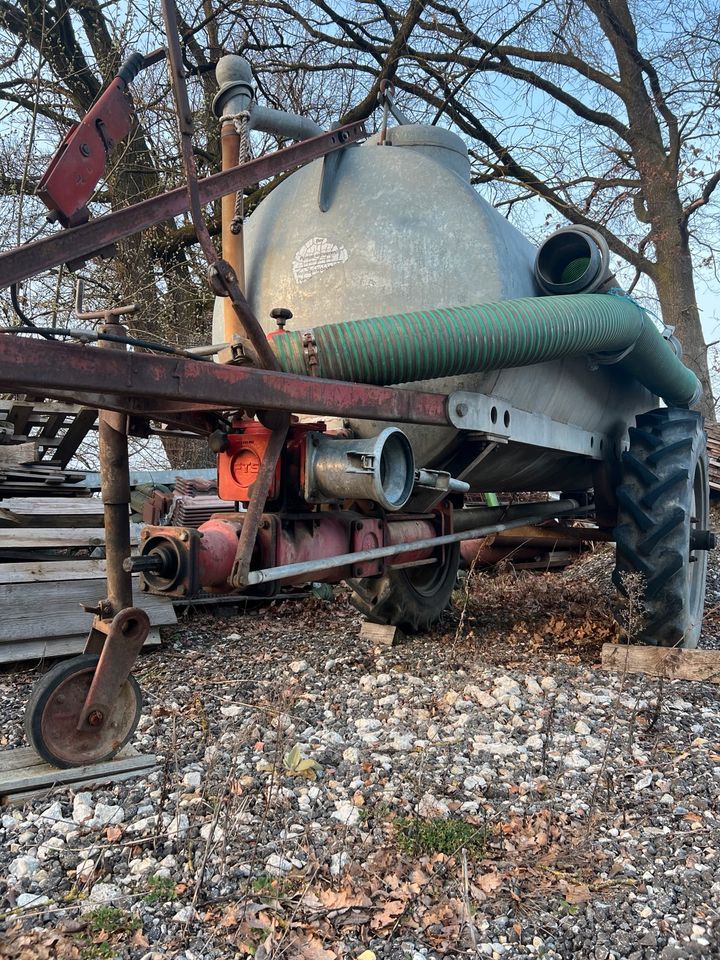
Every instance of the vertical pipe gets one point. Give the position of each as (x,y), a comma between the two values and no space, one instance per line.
(115,484)
(232,243)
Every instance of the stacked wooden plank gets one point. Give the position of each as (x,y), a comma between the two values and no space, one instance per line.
(713,442)
(47,572)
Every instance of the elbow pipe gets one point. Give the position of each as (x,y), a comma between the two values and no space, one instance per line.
(451,341)
(237,95)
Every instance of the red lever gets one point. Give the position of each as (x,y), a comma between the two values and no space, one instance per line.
(79,162)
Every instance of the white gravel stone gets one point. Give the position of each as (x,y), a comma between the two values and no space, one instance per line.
(85,870)
(535,742)
(178,827)
(351,755)
(192,779)
(473,783)
(276,865)
(142,866)
(106,814)
(581,728)
(232,711)
(146,825)
(575,760)
(32,900)
(217,834)
(298,666)
(52,814)
(184,915)
(50,848)
(83,807)
(432,806)
(103,895)
(549,684)
(346,812)
(24,866)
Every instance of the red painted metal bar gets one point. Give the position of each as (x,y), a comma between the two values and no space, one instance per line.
(45,368)
(87,240)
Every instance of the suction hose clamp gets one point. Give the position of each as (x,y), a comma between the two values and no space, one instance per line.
(310,352)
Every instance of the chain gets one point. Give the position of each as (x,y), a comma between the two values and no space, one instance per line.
(242,128)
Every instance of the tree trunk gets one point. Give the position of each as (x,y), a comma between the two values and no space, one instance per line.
(673,276)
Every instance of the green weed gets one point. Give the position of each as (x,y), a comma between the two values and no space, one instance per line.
(439,835)
(161,889)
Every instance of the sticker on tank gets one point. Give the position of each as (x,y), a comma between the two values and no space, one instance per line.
(315,256)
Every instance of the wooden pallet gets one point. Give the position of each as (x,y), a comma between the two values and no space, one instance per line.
(24,776)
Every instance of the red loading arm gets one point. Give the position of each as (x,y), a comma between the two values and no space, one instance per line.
(79,162)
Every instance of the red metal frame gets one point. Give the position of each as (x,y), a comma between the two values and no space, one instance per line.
(141,384)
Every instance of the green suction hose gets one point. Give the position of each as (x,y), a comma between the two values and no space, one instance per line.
(449,341)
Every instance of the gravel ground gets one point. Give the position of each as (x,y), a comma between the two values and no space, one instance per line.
(485,790)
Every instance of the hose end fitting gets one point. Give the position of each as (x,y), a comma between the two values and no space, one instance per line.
(574,260)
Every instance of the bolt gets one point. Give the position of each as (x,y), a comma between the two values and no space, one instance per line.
(95,718)
(184,535)
(84,149)
(461,409)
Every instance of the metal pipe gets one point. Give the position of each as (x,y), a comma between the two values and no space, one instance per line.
(233,248)
(115,491)
(290,125)
(296,570)
(472,516)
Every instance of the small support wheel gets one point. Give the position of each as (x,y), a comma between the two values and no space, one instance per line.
(413,599)
(662,534)
(53,711)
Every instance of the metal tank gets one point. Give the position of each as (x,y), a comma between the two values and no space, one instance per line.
(404,230)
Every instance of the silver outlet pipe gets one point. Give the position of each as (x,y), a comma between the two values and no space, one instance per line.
(237,96)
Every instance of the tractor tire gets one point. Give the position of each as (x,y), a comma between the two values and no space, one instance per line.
(413,599)
(663,513)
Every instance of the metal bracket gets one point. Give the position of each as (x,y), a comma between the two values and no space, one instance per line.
(499,421)
(126,634)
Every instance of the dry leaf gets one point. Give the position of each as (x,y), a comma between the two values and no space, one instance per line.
(576,892)
(139,939)
(342,899)
(310,948)
(391,910)
(489,882)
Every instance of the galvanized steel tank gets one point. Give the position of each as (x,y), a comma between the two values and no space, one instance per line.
(405,230)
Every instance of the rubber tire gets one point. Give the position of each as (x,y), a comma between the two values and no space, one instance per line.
(404,598)
(43,690)
(664,486)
